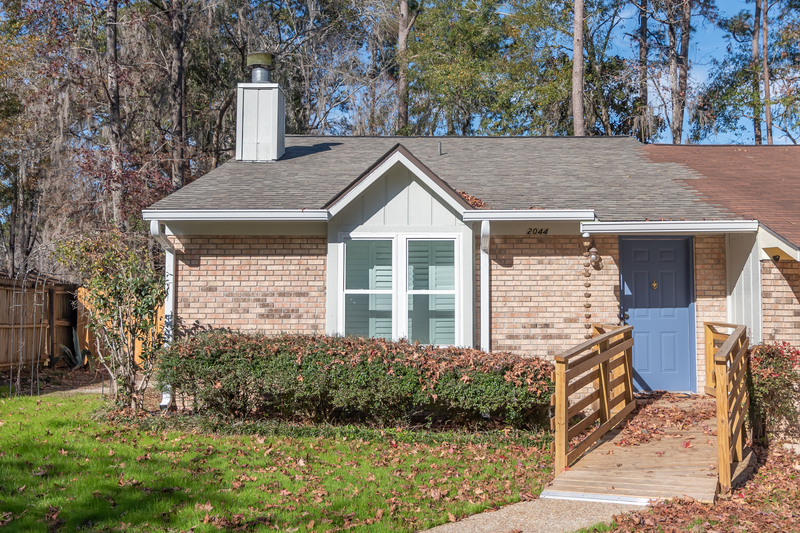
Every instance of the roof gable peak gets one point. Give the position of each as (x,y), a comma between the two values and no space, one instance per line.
(402,155)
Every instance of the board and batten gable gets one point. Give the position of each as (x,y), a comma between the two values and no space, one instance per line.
(399,205)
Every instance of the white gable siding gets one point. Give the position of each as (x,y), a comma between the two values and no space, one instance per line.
(397,200)
(399,204)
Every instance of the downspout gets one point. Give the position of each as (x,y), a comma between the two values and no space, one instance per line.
(169,301)
(486,344)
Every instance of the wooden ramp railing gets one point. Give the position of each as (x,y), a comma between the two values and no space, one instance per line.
(605,361)
(730,364)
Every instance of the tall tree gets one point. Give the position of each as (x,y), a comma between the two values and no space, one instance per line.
(531,90)
(756,26)
(643,115)
(677,19)
(456,49)
(406,18)
(176,12)
(765,68)
(579,129)
(114,124)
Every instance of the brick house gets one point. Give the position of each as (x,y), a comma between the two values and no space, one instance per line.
(514,244)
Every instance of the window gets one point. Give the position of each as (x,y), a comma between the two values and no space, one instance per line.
(421,308)
(431,292)
(368,288)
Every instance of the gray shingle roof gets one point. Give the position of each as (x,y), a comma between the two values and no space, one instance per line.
(608,174)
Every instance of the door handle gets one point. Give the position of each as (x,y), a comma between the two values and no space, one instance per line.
(624,316)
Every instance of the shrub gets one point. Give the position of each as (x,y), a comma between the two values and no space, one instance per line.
(774,372)
(122,296)
(320,378)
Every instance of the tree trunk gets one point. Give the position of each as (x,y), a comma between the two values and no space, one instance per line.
(672,33)
(115,127)
(765,68)
(679,21)
(177,44)
(643,53)
(683,60)
(217,140)
(755,79)
(404,27)
(373,44)
(579,128)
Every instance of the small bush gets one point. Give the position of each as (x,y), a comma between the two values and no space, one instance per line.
(321,378)
(774,373)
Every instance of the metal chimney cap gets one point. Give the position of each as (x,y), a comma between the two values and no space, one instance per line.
(261,60)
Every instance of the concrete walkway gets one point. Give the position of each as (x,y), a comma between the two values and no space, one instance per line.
(538,516)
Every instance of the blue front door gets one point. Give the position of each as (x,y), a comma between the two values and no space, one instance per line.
(657,301)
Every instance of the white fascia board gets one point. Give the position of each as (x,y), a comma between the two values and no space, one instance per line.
(528,214)
(380,171)
(671,227)
(168,215)
(769,239)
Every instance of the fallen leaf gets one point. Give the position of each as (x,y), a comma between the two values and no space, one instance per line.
(203,507)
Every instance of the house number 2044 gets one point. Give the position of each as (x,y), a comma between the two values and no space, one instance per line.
(537,231)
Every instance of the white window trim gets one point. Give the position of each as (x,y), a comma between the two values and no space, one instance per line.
(400,290)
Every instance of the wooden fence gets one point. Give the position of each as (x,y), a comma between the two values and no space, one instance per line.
(86,337)
(604,361)
(34,321)
(730,361)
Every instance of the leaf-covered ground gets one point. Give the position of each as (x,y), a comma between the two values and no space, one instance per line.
(768,502)
(62,470)
(650,421)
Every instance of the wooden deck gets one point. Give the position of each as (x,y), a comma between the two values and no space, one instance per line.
(659,469)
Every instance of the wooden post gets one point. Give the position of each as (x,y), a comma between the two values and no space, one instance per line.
(562,424)
(604,380)
(709,342)
(739,444)
(628,370)
(51,295)
(723,426)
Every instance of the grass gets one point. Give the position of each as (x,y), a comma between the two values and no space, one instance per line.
(598,527)
(60,469)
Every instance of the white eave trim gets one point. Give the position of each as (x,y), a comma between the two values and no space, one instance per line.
(169,215)
(528,214)
(669,227)
(777,241)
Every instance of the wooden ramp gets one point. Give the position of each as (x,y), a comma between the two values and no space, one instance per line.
(659,469)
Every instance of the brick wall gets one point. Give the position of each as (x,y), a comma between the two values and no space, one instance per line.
(538,292)
(780,301)
(272,284)
(710,292)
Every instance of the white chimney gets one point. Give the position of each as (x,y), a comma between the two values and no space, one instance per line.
(260,113)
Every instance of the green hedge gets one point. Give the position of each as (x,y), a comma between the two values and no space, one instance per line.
(322,378)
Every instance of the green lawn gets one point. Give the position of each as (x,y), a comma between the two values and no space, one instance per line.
(61,469)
